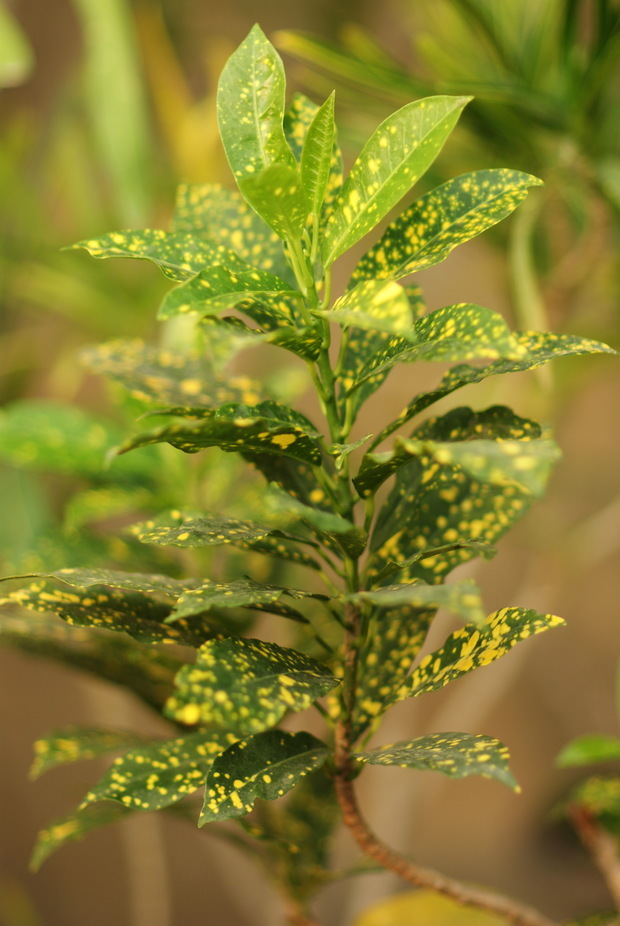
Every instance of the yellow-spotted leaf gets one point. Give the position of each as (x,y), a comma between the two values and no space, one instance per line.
(374,305)
(300,115)
(278,196)
(167,377)
(471,647)
(155,775)
(316,156)
(179,255)
(250,107)
(246,685)
(393,159)
(343,532)
(223,216)
(73,828)
(457,755)
(264,766)
(426,232)
(462,598)
(72,744)
(538,347)
(241,593)
(600,796)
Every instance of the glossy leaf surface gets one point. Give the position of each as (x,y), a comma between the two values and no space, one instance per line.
(316,157)
(246,685)
(264,766)
(374,305)
(278,196)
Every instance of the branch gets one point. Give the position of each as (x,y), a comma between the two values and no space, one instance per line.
(601,845)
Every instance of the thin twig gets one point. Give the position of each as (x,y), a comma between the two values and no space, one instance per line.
(297,916)
(602,846)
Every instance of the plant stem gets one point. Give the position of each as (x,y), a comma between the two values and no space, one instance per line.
(296,916)
(602,846)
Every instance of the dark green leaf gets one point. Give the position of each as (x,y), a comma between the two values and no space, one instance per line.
(242,593)
(393,159)
(264,766)
(462,598)
(73,828)
(179,255)
(293,476)
(595,747)
(250,107)
(350,538)
(600,795)
(486,550)
(162,586)
(72,744)
(316,158)
(155,775)
(471,647)
(454,754)
(436,223)
(246,685)
(278,196)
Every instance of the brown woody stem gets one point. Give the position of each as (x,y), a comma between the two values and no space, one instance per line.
(602,846)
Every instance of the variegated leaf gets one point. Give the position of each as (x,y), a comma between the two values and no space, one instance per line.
(376,306)
(73,828)
(72,744)
(278,196)
(462,598)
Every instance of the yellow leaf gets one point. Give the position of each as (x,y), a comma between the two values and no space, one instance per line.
(416,907)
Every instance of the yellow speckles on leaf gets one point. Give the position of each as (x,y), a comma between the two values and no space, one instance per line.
(189,714)
(283,440)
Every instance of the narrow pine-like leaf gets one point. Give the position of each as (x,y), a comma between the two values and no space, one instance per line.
(471,647)
(316,156)
(462,598)
(155,775)
(264,766)
(457,755)
(436,223)
(595,747)
(179,255)
(539,347)
(246,685)
(278,196)
(250,107)
(374,305)
(72,744)
(73,828)
(393,159)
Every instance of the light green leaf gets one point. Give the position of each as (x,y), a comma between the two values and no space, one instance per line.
(223,216)
(179,255)
(73,828)
(538,347)
(454,754)
(462,598)
(595,747)
(264,766)
(316,158)
(436,223)
(277,195)
(471,647)
(375,305)
(246,685)
(263,428)
(155,775)
(297,120)
(393,159)
(250,107)
(166,377)
(72,744)
(218,288)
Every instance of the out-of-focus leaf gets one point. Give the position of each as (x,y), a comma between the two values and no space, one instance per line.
(16,53)
(462,598)
(72,744)
(595,747)
(427,907)
(73,828)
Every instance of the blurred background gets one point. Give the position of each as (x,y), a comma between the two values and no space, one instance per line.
(105,106)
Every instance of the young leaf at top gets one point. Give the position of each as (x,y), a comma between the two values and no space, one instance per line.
(264,766)
(454,754)
(426,232)
(250,107)
(246,685)
(316,157)
(159,774)
(297,120)
(392,160)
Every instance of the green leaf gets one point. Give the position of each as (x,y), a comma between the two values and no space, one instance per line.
(486,550)
(264,766)
(263,428)
(343,532)
(242,593)
(454,754)
(595,747)
(538,347)
(17,59)
(162,586)
(179,255)
(316,158)
(393,159)
(155,775)
(462,598)
(72,744)
(426,232)
(376,306)
(600,795)
(73,828)
(218,288)
(246,685)
(250,107)
(294,477)
(167,377)
(297,121)
(222,215)
(471,647)
(278,196)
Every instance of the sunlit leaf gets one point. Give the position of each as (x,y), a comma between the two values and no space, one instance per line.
(246,685)
(278,196)
(375,305)
(316,158)
(264,766)
(297,121)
